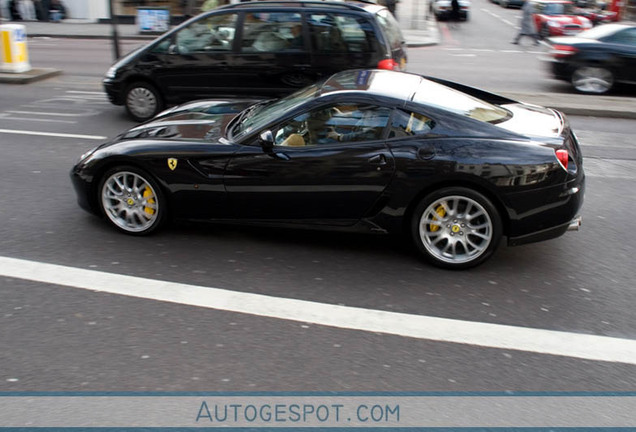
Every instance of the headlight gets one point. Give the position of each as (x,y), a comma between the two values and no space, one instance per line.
(87,154)
(554,24)
(587,24)
(112,72)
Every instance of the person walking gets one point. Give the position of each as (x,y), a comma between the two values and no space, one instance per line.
(26,8)
(455,16)
(527,24)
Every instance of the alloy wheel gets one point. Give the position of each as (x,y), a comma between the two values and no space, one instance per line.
(456,229)
(130,202)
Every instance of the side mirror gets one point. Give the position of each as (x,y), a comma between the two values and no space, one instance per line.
(266,140)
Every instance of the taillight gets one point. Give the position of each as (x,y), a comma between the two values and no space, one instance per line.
(563,156)
(389,64)
(561,51)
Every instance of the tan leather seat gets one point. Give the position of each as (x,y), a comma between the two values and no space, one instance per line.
(294,140)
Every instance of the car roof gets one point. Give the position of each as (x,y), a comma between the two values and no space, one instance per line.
(385,83)
(357,5)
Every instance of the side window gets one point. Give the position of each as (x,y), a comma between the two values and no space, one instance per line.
(334,124)
(333,32)
(272,32)
(627,37)
(405,124)
(213,33)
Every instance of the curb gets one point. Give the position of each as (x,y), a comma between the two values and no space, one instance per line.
(35,74)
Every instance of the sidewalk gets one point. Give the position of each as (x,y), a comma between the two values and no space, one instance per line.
(418,29)
(423,33)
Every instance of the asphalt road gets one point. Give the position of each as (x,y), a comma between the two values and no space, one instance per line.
(59,338)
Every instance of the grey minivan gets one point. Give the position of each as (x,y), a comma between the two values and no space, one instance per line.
(258,49)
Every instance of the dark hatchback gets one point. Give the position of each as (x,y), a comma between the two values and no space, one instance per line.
(266,49)
(453,167)
(595,60)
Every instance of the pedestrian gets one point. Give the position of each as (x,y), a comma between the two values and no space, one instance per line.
(57,11)
(454,12)
(391,5)
(527,23)
(26,10)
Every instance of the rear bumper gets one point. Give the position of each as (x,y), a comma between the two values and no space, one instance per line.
(546,234)
(558,214)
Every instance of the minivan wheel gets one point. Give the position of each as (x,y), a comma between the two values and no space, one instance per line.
(142,101)
(456,228)
(590,79)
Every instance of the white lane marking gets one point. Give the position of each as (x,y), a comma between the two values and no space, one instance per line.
(52,134)
(86,92)
(599,348)
(44,113)
(7,117)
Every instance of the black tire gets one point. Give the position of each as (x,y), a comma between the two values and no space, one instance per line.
(456,228)
(142,101)
(132,200)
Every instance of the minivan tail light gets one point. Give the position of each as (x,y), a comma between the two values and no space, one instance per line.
(563,156)
(389,64)
(562,51)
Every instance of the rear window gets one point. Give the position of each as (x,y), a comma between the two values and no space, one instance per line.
(390,27)
(437,95)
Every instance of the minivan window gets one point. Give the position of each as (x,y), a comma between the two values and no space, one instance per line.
(391,28)
(272,32)
(211,33)
(334,32)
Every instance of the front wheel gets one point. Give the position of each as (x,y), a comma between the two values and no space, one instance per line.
(142,101)
(456,228)
(132,200)
(593,80)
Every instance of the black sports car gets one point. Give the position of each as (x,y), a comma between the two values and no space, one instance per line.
(454,167)
(595,60)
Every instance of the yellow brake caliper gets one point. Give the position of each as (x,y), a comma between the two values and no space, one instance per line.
(441,212)
(148,193)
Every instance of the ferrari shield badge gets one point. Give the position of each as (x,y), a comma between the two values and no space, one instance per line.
(172,163)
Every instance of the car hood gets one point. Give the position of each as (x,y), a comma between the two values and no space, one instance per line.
(204,120)
(532,120)
(566,19)
(573,40)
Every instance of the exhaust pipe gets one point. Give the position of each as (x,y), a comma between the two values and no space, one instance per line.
(575,224)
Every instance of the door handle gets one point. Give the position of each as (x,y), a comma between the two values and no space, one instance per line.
(378,160)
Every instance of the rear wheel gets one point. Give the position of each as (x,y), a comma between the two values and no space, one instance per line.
(132,200)
(456,228)
(591,79)
(142,101)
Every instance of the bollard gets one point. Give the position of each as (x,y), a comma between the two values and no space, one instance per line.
(14,55)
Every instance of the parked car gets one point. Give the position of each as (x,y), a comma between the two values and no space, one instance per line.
(558,18)
(508,3)
(453,167)
(595,60)
(268,48)
(597,16)
(442,9)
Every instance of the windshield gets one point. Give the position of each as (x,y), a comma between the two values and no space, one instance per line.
(440,96)
(558,9)
(257,117)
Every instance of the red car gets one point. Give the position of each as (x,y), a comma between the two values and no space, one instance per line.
(558,18)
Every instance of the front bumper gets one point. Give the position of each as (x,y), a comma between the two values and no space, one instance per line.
(114,91)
